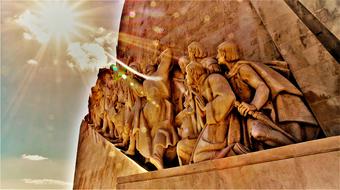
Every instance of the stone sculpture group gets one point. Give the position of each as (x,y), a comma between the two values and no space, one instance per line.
(203,107)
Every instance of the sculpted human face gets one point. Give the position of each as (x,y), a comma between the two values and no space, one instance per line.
(191,54)
(196,50)
(183,63)
(220,57)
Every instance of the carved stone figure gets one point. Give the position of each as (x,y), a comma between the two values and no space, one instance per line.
(97,104)
(178,84)
(187,120)
(135,102)
(198,54)
(110,97)
(253,107)
(270,105)
(120,113)
(216,99)
(193,118)
(95,101)
(157,132)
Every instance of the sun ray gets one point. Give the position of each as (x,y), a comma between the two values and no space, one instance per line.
(89,12)
(86,27)
(83,78)
(26,80)
(23,87)
(17,98)
(142,43)
(57,49)
(78,35)
(77,4)
(41,52)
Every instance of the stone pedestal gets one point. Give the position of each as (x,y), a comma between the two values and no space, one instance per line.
(313,164)
(99,162)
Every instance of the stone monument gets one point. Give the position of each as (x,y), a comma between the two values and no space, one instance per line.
(230,92)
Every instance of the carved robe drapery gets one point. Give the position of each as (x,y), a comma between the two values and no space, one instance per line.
(157,116)
(283,105)
(219,98)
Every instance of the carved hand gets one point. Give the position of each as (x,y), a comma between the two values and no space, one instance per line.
(244,108)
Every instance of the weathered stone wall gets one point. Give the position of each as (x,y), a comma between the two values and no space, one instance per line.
(315,70)
(178,23)
(99,163)
(322,20)
(328,12)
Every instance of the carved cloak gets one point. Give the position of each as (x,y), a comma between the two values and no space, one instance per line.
(285,96)
(220,98)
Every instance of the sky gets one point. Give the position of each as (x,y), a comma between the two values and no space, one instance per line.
(50,55)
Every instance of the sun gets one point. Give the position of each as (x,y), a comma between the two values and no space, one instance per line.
(58,20)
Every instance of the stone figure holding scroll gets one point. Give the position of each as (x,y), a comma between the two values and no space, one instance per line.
(271,107)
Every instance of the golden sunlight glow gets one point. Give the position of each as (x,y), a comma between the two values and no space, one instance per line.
(58,19)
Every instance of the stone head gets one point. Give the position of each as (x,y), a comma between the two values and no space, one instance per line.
(104,76)
(196,51)
(227,52)
(194,73)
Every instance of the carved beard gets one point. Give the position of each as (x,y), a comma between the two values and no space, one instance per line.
(198,82)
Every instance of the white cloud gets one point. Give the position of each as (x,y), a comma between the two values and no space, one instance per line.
(106,40)
(27,36)
(100,30)
(46,182)
(31,23)
(14,170)
(87,56)
(32,62)
(91,55)
(33,157)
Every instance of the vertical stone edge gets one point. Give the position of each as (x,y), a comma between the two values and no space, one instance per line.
(300,66)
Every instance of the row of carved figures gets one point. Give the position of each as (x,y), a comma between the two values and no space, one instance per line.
(202,108)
